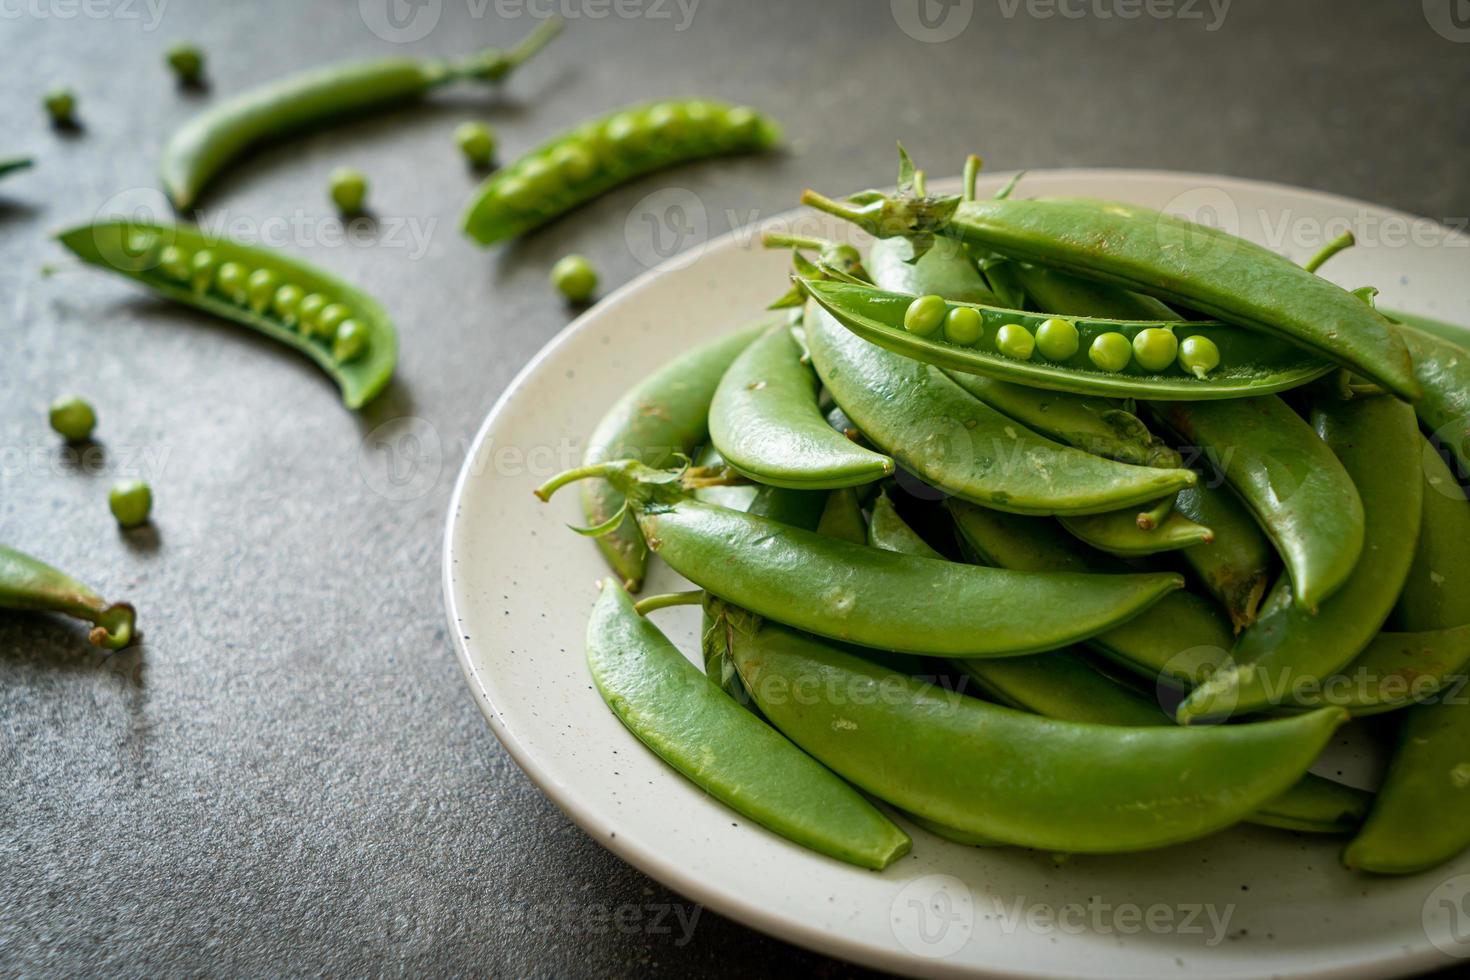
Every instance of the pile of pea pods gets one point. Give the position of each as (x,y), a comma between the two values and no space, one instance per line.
(1059,524)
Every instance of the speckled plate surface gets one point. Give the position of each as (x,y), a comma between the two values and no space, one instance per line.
(519,585)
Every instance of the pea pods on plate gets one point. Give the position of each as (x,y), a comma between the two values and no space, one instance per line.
(32,585)
(1236,566)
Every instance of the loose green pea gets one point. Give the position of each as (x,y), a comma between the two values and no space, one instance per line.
(308,310)
(231,280)
(1155,348)
(349,190)
(1014,340)
(1057,339)
(202,269)
(573,162)
(1110,352)
(174,262)
(131,502)
(61,103)
(187,61)
(261,288)
(1199,355)
(286,302)
(477,143)
(963,325)
(925,315)
(350,341)
(73,418)
(330,319)
(574,277)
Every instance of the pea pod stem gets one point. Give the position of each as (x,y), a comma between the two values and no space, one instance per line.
(668,600)
(1339,244)
(27,583)
(493,64)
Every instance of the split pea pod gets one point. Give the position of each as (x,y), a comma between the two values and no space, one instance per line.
(861,595)
(1236,566)
(765,421)
(1293,647)
(340,327)
(597,156)
(722,748)
(207,144)
(662,417)
(32,585)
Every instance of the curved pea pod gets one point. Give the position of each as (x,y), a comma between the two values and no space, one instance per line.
(1436,593)
(10,165)
(1443,370)
(1291,648)
(1015,777)
(31,585)
(601,154)
(861,595)
(722,748)
(1061,294)
(1236,566)
(1290,481)
(1396,670)
(931,426)
(157,256)
(662,417)
(1250,364)
(766,424)
(206,144)
(1120,533)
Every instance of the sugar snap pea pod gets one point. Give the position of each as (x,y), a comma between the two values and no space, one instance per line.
(842,517)
(1396,670)
(28,584)
(1236,566)
(10,165)
(1443,369)
(1249,363)
(1016,777)
(207,144)
(916,414)
(1293,484)
(1291,647)
(1120,533)
(863,595)
(944,270)
(1061,294)
(725,750)
(597,156)
(890,532)
(663,416)
(340,327)
(1434,595)
(765,422)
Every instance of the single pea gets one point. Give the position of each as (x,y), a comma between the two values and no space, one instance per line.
(541,179)
(625,134)
(73,418)
(963,325)
(1155,348)
(1199,355)
(514,193)
(1110,352)
(131,502)
(308,310)
(261,288)
(924,315)
(1014,340)
(201,269)
(350,341)
(287,301)
(1056,339)
(187,61)
(142,246)
(61,103)
(349,190)
(741,123)
(477,142)
(573,162)
(668,122)
(231,280)
(700,116)
(329,319)
(574,277)
(174,262)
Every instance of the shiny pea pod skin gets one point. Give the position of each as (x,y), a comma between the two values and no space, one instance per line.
(1289,646)
(663,415)
(931,426)
(115,246)
(1118,533)
(1181,262)
(722,748)
(1443,370)
(766,424)
(1286,476)
(1251,364)
(29,584)
(1016,777)
(1436,593)
(1236,566)
(507,204)
(945,270)
(1064,295)
(890,532)
(1397,670)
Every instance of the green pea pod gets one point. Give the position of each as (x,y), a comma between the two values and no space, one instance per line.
(915,413)
(888,531)
(862,595)
(1434,595)
(765,421)
(160,257)
(31,585)
(1062,295)
(723,749)
(1293,648)
(1120,533)
(1293,484)
(1396,670)
(1015,777)
(601,154)
(661,418)
(945,270)
(842,517)
(1236,566)
(205,145)
(1443,369)
(10,165)
(1250,364)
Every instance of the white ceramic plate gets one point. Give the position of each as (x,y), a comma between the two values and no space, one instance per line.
(519,586)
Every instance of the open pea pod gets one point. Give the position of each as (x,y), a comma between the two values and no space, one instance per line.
(1250,364)
(340,327)
(32,585)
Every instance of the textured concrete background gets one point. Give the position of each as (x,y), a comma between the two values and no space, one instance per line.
(289,774)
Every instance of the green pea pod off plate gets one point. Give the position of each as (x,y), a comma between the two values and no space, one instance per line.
(519,587)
